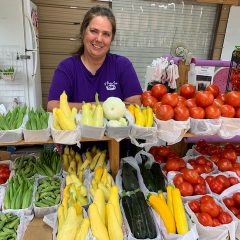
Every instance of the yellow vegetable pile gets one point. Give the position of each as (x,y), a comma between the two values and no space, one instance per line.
(102,180)
(92,114)
(64,118)
(172,211)
(143,116)
(105,216)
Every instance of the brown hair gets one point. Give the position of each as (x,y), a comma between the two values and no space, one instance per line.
(93,12)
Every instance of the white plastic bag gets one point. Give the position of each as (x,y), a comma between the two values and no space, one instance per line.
(229,127)
(205,126)
(172,131)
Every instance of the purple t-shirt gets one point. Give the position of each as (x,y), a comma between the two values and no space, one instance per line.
(116,77)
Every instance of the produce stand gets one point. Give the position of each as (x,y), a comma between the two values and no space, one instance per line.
(113,149)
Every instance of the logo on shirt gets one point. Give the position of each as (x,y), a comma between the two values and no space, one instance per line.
(110,86)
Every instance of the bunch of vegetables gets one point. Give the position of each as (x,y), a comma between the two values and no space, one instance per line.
(49,163)
(8,226)
(208,212)
(13,119)
(37,119)
(92,114)
(171,210)
(4,173)
(105,216)
(48,192)
(201,164)
(233,203)
(19,193)
(64,118)
(190,183)
(220,182)
(188,102)
(143,116)
(25,165)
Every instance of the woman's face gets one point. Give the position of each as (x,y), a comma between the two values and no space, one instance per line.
(98,37)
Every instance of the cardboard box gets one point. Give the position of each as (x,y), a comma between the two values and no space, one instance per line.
(38,230)
(5,155)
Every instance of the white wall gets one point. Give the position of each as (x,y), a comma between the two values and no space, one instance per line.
(232,36)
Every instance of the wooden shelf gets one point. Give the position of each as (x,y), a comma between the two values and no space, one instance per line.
(113,149)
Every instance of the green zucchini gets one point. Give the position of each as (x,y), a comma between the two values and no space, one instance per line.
(158,177)
(127,204)
(147,216)
(129,178)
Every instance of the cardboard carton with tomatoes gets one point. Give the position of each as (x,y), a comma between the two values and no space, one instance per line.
(213,219)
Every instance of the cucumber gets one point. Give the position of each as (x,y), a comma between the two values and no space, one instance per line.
(158,177)
(129,178)
(147,216)
(138,221)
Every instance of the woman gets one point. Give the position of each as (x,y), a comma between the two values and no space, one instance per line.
(93,69)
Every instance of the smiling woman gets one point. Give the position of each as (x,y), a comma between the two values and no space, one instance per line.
(93,69)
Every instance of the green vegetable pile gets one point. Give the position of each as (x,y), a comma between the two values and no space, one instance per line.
(48,193)
(13,119)
(37,119)
(8,226)
(25,165)
(49,163)
(19,193)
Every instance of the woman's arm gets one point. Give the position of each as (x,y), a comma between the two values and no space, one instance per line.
(55,104)
(136,99)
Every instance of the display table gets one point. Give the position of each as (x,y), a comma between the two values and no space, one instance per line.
(113,149)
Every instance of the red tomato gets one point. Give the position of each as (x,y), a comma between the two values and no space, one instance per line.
(230,154)
(181,101)
(191,176)
(216,222)
(212,112)
(218,102)
(164,112)
(200,189)
(222,97)
(191,102)
(238,216)
(205,219)
(211,208)
(225,218)
(209,163)
(224,165)
(186,188)
(198,168)
(197,112)
(215,158)
(234,210)
(178,179)
(164,151)
(204,98)
(214,89)
(194,205)
(224,180)
(216,186)
(237,112)
(227,111)
(229,202)
(172,165)
(207,198)
(207,169)
(233,98)
(181,113)
(187,90)
(149,101)
(158,91)
(201,180)
(209,179)
(229,146)
(233,180)
(170,99)
(153,150)
(202,143)
(155,106)
(146,94)
(236,198)
(159,159)
(201,160)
